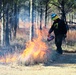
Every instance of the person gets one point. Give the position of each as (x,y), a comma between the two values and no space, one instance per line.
(59,28)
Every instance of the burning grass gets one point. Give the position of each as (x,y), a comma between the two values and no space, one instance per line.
(36,52)
(8,58)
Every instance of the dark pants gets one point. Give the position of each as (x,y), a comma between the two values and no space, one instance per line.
(58,42)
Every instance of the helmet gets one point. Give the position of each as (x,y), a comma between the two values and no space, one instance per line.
(54,16)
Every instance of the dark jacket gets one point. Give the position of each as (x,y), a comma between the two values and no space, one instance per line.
(59,27)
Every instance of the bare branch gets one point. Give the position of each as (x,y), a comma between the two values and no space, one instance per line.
(69,8)
(56,5)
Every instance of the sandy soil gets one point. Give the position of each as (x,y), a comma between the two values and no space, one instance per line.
(65,65)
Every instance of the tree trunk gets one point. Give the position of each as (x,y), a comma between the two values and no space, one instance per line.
(31,20)
(30,5)
(16,19)
(41,18)
(2,25)
(2,31)
(11,21)
(46,14)
(0,7)
(33,34)
(7,27)
(63,17)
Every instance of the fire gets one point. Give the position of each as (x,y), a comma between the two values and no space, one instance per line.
(36,50)
(8,58)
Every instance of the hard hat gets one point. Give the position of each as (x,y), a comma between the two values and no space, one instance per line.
(54,16)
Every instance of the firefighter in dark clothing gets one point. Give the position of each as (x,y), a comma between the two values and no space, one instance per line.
(59,28)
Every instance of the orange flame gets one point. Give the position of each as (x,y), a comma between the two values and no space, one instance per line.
(9,58)
(37,49)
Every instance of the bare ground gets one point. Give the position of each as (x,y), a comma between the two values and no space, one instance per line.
(65,65)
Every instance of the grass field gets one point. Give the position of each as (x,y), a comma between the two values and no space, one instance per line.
(64,65)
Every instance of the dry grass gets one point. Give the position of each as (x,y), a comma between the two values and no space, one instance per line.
(71,35)
(60,67)
(37,70)
(65,65)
